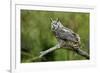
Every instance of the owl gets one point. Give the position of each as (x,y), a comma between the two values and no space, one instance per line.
(65,36)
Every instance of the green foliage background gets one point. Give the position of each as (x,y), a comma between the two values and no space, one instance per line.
(36,34)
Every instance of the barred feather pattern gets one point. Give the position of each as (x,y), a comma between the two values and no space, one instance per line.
(65,36)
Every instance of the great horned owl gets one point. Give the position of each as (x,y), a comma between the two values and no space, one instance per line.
(65,36)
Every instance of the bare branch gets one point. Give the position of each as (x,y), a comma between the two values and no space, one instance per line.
(49,50)
(44,53)
(78,51)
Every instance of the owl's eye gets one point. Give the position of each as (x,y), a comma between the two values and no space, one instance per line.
(56,23)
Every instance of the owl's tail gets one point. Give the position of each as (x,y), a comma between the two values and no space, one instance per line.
(82,53)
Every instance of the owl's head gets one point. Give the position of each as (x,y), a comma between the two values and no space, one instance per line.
(55,24)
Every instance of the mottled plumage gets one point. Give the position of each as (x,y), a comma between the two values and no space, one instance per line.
(65,36)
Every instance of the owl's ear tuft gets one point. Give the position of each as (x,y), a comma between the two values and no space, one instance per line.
(50,19)
(57,19)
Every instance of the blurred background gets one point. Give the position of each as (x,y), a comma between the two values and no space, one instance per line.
(36,34)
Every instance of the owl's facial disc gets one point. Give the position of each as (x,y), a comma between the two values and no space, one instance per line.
(54,25)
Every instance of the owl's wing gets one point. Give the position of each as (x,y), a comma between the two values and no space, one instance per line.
(67,35)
